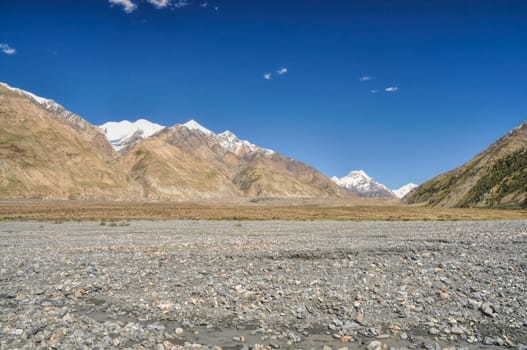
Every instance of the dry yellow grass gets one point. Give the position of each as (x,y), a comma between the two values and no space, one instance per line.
(78,210)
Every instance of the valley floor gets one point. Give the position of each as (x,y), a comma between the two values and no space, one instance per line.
(179,284)
(353,209)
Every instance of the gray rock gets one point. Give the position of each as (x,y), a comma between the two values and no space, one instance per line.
(489,341)
(433,331)
(457,330)
(374,345)
(487,309)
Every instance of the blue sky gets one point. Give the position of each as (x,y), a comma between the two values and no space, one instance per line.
(457,72)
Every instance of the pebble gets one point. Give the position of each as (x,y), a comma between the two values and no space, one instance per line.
(489,341)
(374,345)
(457,330)
(487,309)
(433,331)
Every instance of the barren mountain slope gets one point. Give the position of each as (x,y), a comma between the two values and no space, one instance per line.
(190,162)
(53,154)
(165,170)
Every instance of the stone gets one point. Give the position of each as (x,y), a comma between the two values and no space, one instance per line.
(487,309)
(457,330)
(489,341)
(383,336)
(374,345)
(345,339)
(360,317)
(433,331)
(79,293)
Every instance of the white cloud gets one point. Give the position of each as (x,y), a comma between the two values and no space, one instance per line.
(268,76)
(374,91)
(365,78)
(8,50)
(181,3)
(391,89)
(216,8)
(281,71)
(159,4)
(127,5)
(204,4)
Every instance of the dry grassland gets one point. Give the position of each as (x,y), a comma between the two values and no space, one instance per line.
(270,210)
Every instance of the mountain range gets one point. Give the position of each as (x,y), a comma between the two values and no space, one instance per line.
(49,152)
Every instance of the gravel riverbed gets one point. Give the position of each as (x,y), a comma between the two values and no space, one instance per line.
(263,285)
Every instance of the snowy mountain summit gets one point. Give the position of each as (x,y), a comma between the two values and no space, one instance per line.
(123,134)
(358,182)
(194,125)
(403,191)
(362,185)
(230,142)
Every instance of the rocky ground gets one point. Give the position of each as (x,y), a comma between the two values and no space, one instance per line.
(263,285)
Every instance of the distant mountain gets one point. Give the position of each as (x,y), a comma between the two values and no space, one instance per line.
(497,177)
(404,190)
(359,183)
(49,152)
(362,185)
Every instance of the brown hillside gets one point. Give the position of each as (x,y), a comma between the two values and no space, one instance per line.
(43,155)
(497,177)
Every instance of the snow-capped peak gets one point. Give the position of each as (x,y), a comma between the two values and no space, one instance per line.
(230,142)
(358,182)
(194,125)
(124,133)
(359,175)
(403,191)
